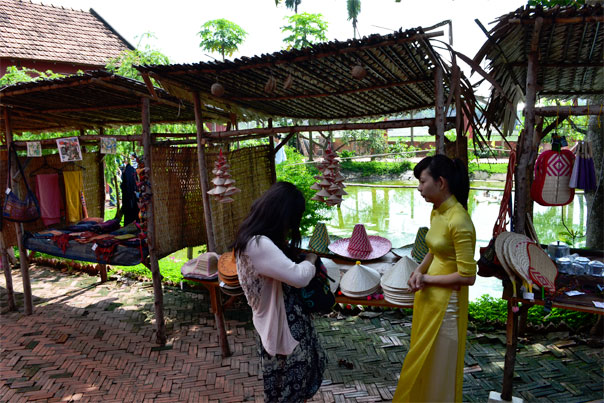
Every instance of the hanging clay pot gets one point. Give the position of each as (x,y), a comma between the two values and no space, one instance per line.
(288,82)
(270,85)
(217,90)
(358,72)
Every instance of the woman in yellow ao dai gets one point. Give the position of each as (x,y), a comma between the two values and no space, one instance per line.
(433,367)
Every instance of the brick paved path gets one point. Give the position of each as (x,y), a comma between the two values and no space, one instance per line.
(93,342)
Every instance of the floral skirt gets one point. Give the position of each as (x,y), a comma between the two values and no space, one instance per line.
(298,376)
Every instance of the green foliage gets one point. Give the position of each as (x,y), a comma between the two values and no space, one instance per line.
(304,30)
(222,36)
(123,64)
(347,153)
(375,168)
(489,168)
(302,175)
(15,75)
(373,140)
(402,148)
(291,4)
(488,312)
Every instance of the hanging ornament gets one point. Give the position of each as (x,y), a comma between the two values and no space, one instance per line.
(270,85)
(288,82)
(358,72)
(329,185)
(224,184)
(217,89)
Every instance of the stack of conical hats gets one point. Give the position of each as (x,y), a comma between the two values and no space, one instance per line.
(319,241)
(360,281)
(330,185)
(394,282)
(224,185)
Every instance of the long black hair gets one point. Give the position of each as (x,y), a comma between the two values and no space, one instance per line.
(454,171)
(277,215)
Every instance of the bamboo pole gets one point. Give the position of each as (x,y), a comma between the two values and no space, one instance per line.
(439,113)
(10,295)
(27,298)
(101,165)
(272,154)
(563,111)
(151,235)
(203,172)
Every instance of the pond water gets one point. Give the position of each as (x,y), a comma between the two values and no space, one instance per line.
(397,213)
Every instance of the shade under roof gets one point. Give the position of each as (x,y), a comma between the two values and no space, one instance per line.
(400,77)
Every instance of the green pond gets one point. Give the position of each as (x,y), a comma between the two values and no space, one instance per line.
(397,213)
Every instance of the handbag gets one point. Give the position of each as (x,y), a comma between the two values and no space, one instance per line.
(317,296)
(553,171)
(15,209)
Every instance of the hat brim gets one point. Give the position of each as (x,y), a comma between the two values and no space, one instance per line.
(380,246)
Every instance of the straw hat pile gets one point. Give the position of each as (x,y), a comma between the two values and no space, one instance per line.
(204,266)
(227,274)
(223,183)
(394,282)
(331,183)
(360,281)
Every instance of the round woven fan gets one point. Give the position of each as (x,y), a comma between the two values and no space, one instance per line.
(499,251)
(542,269)
(517,255)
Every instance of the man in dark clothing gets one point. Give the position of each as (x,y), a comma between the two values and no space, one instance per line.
(129,199)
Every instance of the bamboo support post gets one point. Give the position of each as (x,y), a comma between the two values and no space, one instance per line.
(103,272)
(510,353)
(151,236)
(27,298)
(439,110)
(203,172)
(273,153)
(8,277)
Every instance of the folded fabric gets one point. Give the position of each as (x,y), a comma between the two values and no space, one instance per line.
(85,237)
(124,237)
(74,184)
(128,229)
(82,226)
(47,234)
(105,227)
(48,193)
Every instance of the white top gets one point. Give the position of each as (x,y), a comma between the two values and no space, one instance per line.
(280,155)
(261,269)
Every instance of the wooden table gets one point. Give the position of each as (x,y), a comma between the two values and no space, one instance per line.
(213,286)
(512,331)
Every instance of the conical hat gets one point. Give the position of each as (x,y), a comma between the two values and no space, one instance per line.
(319,241)
(399,274)
(323,193)
(361,246)
(359,279)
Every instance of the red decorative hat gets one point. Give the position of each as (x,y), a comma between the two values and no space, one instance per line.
(360,245)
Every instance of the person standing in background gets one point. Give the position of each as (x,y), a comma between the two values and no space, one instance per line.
(280,154)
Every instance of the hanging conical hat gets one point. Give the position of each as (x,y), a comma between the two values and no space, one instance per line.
(325,182)
(218,181)
(319,241)
(229,181)
(316,186)
(225,199)
(317,198)
(341,192)
(399,274)
(323,193)
(218,190)
(231,191)
(359,279)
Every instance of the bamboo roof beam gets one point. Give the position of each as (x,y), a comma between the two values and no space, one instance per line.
(583,110)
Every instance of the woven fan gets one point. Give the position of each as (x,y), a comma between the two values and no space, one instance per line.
(517,256)
(542,269)
(499,251)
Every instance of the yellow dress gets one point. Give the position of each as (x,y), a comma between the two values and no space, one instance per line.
(451,240)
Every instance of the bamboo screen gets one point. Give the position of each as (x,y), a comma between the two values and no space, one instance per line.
(93,187)
(179,220)
(251,169)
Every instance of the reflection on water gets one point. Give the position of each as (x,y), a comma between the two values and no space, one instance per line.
(397,213)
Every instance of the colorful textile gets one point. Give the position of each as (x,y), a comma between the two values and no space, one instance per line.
(452,241)
(49,197)
(74,184)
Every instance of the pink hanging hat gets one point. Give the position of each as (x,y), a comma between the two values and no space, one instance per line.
(360,245)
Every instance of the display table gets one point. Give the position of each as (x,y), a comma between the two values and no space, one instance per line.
(580,303)
(213,286)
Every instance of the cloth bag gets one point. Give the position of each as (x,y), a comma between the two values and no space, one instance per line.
(317,295)
(15,209)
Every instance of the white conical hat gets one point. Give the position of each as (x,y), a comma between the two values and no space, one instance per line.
(225,199)
(218,181)
(229,181)
(360,279)
(231,191)
(218,190)
(398,275)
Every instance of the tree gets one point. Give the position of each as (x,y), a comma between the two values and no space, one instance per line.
(222,36)
(125,62)
(304,29)
(291,4)
(553,3)
(15,75)
(354,9)
(595,200)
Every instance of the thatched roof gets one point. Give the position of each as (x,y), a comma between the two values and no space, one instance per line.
(400,77)
(91,100)
(570,49)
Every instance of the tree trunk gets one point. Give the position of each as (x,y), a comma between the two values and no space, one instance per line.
(595,200)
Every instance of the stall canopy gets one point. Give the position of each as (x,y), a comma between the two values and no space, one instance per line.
(317,82)
(89,101)
(570,46)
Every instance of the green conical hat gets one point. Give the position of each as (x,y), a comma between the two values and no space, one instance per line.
(420,248)
(319,239)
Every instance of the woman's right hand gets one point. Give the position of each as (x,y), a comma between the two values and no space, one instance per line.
(416,281)
(311,257)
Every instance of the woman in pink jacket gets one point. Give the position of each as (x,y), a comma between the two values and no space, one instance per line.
(267,248)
